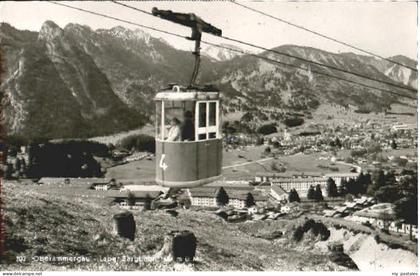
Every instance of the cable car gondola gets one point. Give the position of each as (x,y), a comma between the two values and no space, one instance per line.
(188,136)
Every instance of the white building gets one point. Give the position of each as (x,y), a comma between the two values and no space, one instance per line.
(338,177)
(379,215)
(301,185)
(138,198)
(278,193)
(206,196)
(301,181)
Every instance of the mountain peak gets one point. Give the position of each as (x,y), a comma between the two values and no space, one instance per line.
(50,24)
(404,60)
(49,30)
(77,27)
(5,25)
(121,32)
(6,28)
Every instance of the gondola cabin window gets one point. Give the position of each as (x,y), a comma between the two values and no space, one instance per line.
(175,117)
(187,121)
(207,119)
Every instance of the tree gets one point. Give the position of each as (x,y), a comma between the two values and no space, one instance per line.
(367,180)
(342,189)
(222,198)
(331,188)
(139,142)
(318,193)
(385,189)
(388,193)
(131,199)
(311,192)
(294,196)
(23,166)
(148,202)
(406,208)
(293,121)
(393,144)
(18,164)
(350,186)
(249,200)
(64,159)
(359,186)
(247,117)
(8,171)
(267,129)
(390,178)
(337,142)
(378,180)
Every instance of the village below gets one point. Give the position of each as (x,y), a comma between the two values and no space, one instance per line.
(335,194)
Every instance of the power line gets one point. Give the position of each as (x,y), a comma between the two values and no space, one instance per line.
(323,35)
(320,64)
(231,49)
(313,71)
(292,56)
(117,19)
(131,7)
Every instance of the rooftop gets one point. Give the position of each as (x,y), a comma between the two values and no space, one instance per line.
(290,174)
(144,188)
(298,180)
(137,194)
(278,189)
(73,180)
(232,193)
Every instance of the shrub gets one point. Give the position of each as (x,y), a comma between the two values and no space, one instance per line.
(317,229)
(358,152)
(267,129)
(368,224)
(66,159)
(308,225)
(298,234)
(292,122)
(322,231)
(139,142)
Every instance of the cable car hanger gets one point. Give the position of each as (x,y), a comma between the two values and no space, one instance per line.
(197,26)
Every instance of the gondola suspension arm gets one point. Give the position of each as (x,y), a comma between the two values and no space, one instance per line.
(197,26)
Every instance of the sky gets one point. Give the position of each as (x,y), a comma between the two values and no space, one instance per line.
(385,28)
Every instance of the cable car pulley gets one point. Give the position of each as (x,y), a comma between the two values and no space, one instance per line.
(197,26)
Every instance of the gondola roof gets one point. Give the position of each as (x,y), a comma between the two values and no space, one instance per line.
(170,95)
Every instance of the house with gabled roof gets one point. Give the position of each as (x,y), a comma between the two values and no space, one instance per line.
(206,196)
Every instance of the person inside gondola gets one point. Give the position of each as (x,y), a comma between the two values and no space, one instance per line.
(175,130)
(188,133)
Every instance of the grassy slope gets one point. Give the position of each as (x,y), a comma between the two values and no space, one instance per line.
(144,170)
(54,224)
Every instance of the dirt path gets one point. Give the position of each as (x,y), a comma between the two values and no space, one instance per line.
(248,163)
